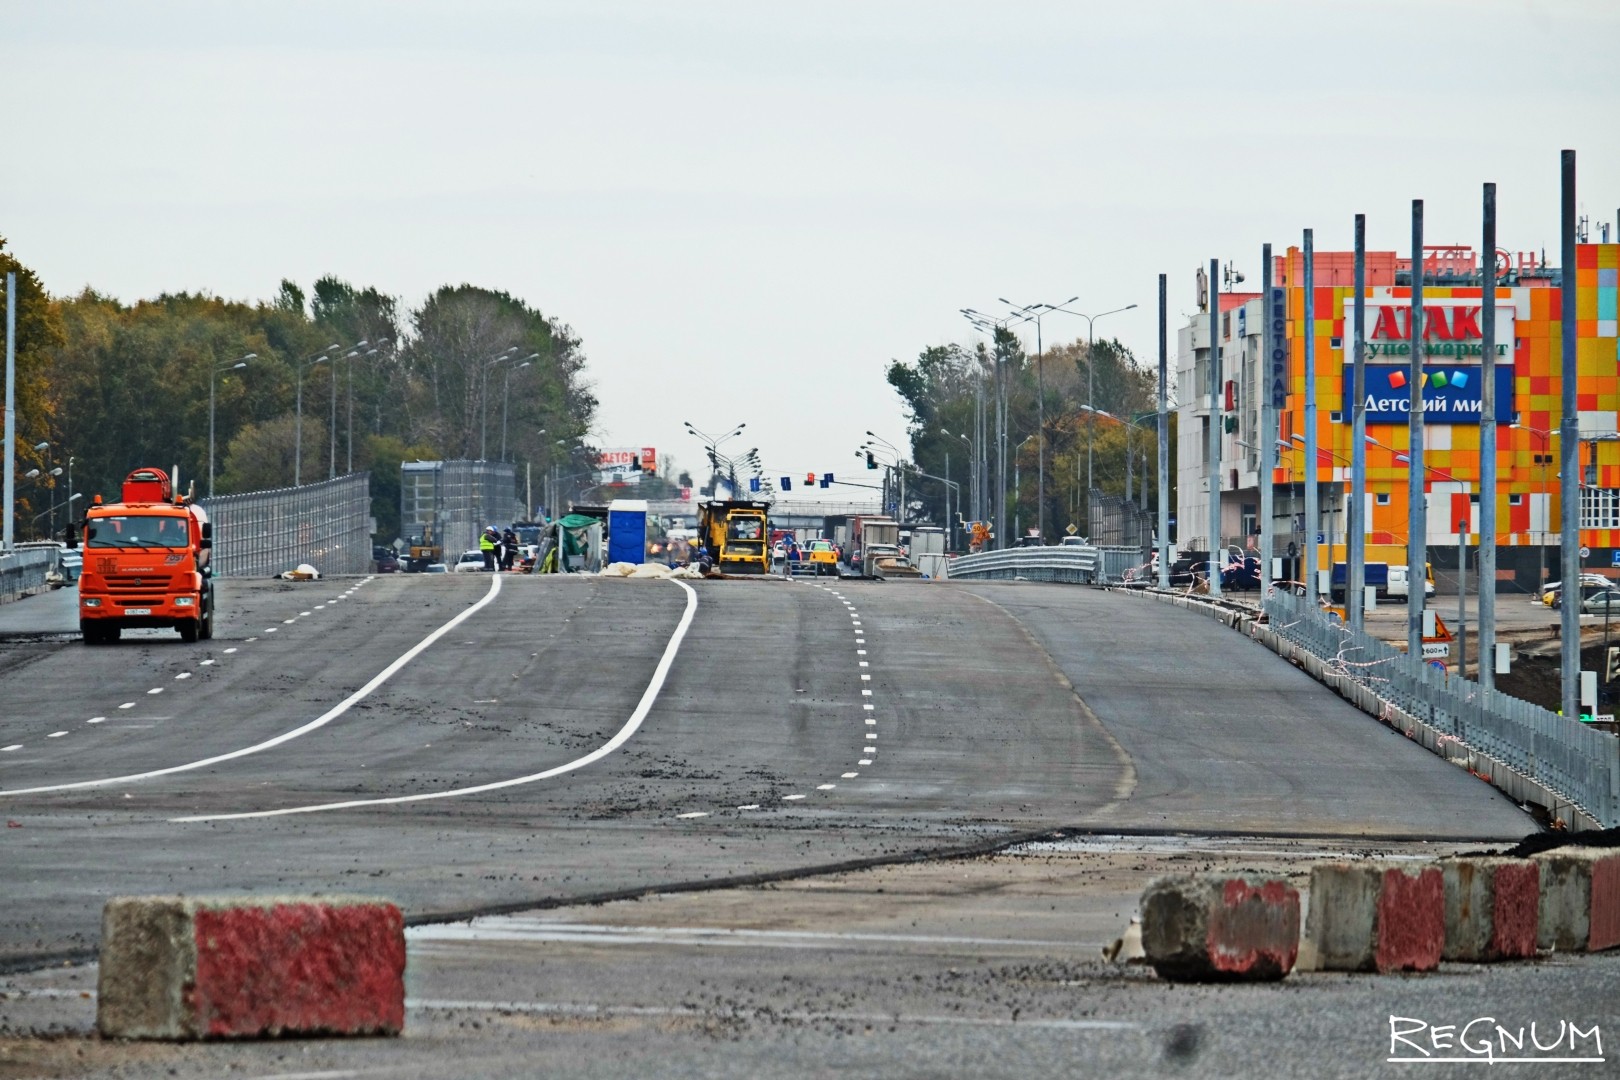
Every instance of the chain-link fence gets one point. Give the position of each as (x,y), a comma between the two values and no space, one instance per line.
(452,501)
(260,533)
(1564,756)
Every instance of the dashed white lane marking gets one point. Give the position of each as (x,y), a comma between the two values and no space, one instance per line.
(849,776)
(863,663)
(155,690)
(868,708)
(229,651)
(287,736)
(866,693)
(272,630)
(745,806)
(288,622)
(9,749)
(96,720)
(825,787)
(185,674)
(694,814)
(871,722)
(791,798)
(860,652)
(863,761)
(865,678)
(622,736)
(318,607)
(868,750)
(56,735)
(210,662)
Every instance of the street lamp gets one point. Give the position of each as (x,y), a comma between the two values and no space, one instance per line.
(973,469)
(1091,392)
(1033,313)
(213,373)
(506,395)
(483,400)
(349,425)
(983,322)
(1018,491)
(298,417)
(712,445)
(331,424)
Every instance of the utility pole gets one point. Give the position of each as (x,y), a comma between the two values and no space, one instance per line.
(7,538)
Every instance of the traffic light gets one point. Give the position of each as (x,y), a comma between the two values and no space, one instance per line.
(871,460)
(809,479)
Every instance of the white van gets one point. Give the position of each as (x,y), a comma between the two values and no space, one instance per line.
(1397,580)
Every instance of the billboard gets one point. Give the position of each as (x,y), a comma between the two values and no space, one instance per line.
(1451,349)
(625,464)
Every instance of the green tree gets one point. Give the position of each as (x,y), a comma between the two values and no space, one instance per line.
(39,330)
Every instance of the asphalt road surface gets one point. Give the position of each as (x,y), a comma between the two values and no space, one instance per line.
(824,763)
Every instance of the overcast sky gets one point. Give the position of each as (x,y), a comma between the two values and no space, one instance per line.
(747,209)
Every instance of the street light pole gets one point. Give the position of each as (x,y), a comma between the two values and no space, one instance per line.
(1091,393)
(298,414)
(349,424)
(506,396)
(1040,397)
(213,373)
(483,401)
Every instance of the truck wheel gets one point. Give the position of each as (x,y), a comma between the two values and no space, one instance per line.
(208,622)
(189,631)
(90,632)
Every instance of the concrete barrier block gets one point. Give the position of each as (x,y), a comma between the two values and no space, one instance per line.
(1492,907)
(1375,916)
(232,967)
(1580,899)
(1197,929)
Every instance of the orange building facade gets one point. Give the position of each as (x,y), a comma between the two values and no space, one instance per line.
(1529,412)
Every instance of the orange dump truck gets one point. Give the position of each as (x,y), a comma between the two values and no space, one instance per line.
(145,563)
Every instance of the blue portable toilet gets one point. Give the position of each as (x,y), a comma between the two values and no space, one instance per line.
(627,531)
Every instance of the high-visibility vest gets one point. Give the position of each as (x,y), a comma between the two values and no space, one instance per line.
(485,543)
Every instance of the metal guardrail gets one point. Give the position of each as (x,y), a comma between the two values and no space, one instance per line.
(1071,563)
(261,533)
(1565,756)
(22,572)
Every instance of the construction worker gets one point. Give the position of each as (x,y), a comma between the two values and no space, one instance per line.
(509,547)
(487,544)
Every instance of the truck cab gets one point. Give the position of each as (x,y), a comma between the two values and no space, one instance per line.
(145,563)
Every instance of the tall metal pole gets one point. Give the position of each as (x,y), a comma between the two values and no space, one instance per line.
(331,458)
(298,430)
(1164,437)
(349,426)
(1273,339)
(1213,465)
(1313,512)
(1569,450)
(1001,447)
(7,528)
(1040,433)
(213,373)
(1417,548)
(1487,448)
(1356,543)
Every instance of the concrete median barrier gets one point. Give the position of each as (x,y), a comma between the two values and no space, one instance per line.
(1197,929)
(1492,906)
(1376,917)
(1580,899)
(234,967)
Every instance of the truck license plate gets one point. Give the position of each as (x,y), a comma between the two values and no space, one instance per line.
(138,611)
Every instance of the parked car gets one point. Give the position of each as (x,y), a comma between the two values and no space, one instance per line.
(435,568)
(469,562)
(1602,602)
(1555,599)
(387,562)
(1549,592)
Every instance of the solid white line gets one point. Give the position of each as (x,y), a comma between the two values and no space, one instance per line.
(608,1011)
(287,736)
(622,736)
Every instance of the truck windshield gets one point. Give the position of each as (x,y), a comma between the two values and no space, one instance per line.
(137,530)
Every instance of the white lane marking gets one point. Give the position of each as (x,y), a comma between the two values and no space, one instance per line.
(95,719)
(866,678)
(155,690)
(866,693)
(860,641)
(860,652)
(648,696)
(694,814)
(849,776)
(864,761)
(185,674)
(272,630)
(868,749)
(871,721)
(825,787)
(9,749)
(791,798)
(868,708)
(318,607)
(745,806)
(288,622)
(543,1008)
(231,650)
(863,663)
(56,735)
(209,663)
(287,736)
(301,614)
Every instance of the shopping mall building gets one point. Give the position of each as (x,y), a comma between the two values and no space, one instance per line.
(1528,409)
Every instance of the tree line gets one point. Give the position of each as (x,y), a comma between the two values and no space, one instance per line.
(108,386)
(1099,405)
